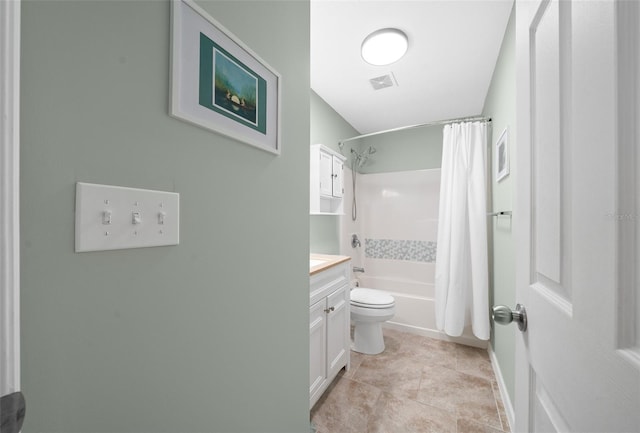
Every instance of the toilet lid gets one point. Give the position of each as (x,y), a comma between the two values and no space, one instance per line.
(364,296)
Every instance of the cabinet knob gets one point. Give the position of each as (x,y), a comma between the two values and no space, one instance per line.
(330,309)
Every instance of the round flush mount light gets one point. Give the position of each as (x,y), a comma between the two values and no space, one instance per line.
(384,46)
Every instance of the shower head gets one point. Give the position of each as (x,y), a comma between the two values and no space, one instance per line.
(359,159)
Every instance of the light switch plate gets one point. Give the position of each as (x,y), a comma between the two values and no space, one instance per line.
(115,217)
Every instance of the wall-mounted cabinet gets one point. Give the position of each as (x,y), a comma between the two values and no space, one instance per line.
(326,182)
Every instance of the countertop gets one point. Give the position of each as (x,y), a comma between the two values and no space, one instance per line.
(326,261)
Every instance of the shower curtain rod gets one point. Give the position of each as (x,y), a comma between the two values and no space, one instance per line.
(420,125)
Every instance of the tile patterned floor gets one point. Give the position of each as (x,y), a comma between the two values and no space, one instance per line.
(416,385)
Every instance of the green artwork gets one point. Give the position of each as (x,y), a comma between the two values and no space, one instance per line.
(230,88)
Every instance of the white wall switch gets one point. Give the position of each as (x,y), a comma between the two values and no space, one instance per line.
(114,217)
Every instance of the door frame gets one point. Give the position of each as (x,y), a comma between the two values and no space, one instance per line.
(10,196)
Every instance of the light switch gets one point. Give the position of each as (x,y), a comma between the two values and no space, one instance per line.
(129,217)
(106,217)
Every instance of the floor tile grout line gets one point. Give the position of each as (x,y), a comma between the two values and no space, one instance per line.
(374,405)
(454,413)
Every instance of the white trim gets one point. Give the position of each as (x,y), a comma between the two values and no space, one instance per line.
(10,196)
(628,17)
(502,387)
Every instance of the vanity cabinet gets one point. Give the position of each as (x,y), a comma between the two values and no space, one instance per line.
(326,181)
(329,319)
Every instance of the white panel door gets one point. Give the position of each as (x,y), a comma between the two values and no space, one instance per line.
(578,364)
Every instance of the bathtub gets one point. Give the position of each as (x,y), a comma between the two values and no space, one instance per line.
(415,307)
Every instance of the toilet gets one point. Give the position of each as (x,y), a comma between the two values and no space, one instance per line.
(369,308)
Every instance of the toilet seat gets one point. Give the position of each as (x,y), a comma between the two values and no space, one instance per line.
(371,298)
(373,306)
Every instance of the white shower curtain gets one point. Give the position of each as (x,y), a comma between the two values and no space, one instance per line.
(462,269)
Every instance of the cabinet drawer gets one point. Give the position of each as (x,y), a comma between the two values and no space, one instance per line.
(326,282)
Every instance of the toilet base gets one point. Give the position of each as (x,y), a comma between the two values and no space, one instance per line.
(367,338)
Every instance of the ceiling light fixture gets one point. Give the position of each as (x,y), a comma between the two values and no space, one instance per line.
(384,46)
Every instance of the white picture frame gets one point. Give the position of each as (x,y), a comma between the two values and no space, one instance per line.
(502,156)
(219,83)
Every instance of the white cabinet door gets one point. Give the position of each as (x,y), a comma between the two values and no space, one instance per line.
(578,363)
(326,174)
(318,347)
(337,330)
(331,175)
(326,186)
(328,327)
(338,177)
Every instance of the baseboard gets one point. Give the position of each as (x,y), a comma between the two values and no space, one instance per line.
(438,335)
(506,401)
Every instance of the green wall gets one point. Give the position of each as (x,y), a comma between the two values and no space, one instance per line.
(500,105)
(190,338)
(328,128)
(411,149)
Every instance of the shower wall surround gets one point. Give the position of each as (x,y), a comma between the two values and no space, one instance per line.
(398,221)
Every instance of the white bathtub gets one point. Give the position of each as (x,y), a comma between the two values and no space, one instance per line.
(415,305)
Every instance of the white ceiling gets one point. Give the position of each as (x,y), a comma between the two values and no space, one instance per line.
(453,48)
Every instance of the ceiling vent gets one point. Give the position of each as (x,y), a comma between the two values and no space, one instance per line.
(382,82)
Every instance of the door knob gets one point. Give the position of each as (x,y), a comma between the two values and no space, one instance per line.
(504,315)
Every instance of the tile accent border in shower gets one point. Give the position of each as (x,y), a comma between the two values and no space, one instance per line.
(391,249)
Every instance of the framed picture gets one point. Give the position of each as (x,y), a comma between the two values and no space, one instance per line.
(219,83)
(502,156)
